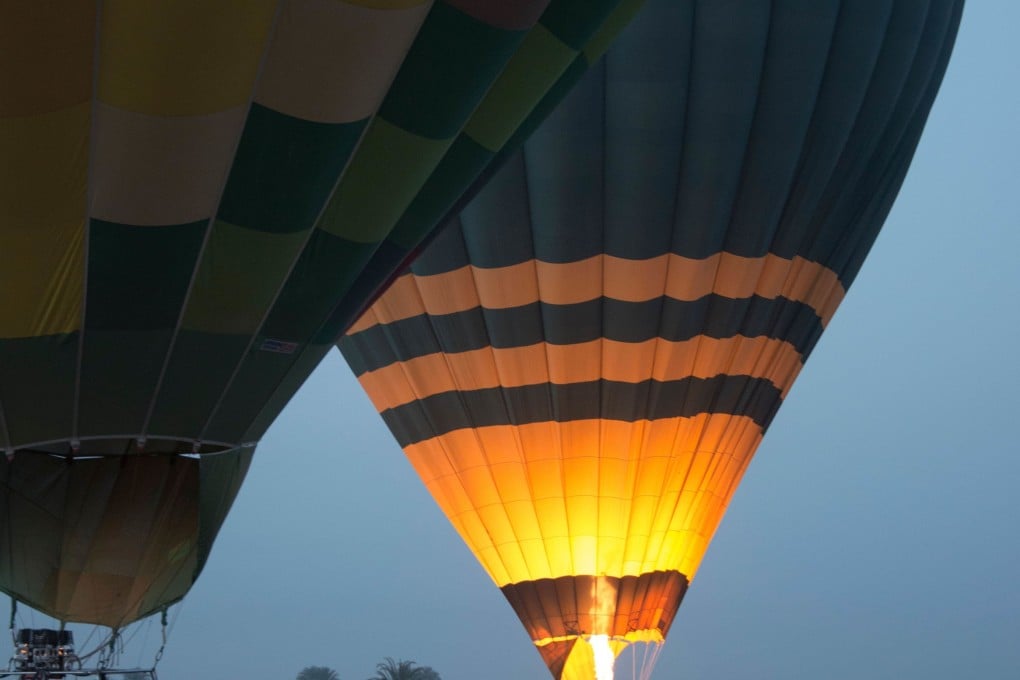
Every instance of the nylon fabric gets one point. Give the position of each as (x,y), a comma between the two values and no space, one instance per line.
(582,364)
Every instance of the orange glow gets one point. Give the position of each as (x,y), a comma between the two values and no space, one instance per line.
(588,497)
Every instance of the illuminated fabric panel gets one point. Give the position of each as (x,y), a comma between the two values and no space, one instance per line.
(191,189)
(109,540)
(582,364)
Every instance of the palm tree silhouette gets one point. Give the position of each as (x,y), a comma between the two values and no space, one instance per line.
(403,670)
(317,673)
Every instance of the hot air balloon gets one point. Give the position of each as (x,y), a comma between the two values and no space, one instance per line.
(189,191)
(583,362)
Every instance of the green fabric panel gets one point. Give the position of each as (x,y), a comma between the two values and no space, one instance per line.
(306,361)
(534,68)
(239,276)
(138,276)
(575,21)
(390,167)
(465,160)
(254,386)
(198,372)
(285,169)
(323,274)
(138,279)
(220,477)
(37,386)
(119,373)
(447,71)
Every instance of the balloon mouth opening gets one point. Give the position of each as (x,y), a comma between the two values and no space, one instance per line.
(104,446)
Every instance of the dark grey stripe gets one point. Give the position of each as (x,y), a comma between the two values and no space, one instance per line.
(771,131)
(674,320)
(738,395)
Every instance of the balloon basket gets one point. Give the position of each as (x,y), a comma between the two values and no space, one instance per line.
(47,654)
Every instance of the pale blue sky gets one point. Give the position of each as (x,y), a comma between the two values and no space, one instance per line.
(874,536)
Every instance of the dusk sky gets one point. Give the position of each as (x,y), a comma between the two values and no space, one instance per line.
(874,536)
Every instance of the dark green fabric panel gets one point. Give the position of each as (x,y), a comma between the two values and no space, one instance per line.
(319,283)
(302,367)
(259,382)
(447,71)
(712,316)
(37,378)
(119,373)
(323,274)
(575,21)
(198,371)
(219,479)
(285,169)
(738,395)
(461,164)
(138,276)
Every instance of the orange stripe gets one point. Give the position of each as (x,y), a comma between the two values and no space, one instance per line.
(656,359)
(621,498)
(674,276)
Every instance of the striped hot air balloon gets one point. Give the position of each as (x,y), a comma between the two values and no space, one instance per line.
(582,364)
(189,190)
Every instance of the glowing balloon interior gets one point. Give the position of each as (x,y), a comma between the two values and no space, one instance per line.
(581,366)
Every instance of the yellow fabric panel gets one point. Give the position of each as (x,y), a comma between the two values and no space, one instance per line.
(674,276)
(332,62)
(240,275)
(526,78)
(42,191)
(181,57)
(588,497)
(151,170)
(46,49)
(43,175)
(391,162)
(656,359)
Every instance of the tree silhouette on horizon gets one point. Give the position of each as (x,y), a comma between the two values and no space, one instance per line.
(403,670)
(317,673)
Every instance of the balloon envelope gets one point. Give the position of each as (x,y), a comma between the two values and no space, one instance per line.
(582,364)
(189,192)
